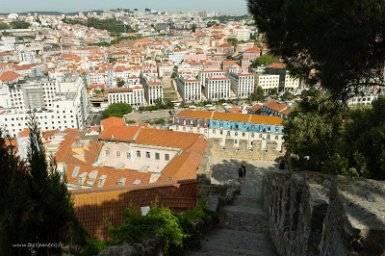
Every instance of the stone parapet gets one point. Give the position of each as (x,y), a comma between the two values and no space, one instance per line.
(316,214)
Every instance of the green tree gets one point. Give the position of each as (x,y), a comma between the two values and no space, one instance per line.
(35,204)
(313,129)
(13,191)
(258,94)
(343,41)
(159,220)
(366,152)
(117,110)
(233,41)
(120,83)
(53,218)
(265,59)
(4,26)
(20,24)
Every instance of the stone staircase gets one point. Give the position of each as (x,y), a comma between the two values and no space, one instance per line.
(242,229)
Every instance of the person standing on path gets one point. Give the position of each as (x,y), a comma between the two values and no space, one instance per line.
(240,173)
(243,171)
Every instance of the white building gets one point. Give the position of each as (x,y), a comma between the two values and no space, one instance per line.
(56,104)
(189,89)
(177,56)
(133,95)
(242,84)
(291,83)
(206,73)
(268,82)
(242,34)
(217,87)
(153,90)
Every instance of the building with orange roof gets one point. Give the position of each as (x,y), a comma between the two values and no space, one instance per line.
(275,108)
(9,76)
(134,95)
(232,127)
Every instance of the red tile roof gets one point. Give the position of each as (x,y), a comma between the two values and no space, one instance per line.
(276,106)
(8,76)
(112,121)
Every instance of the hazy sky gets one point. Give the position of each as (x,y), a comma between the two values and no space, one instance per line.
(222,6)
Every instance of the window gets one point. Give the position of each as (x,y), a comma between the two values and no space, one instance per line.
(221,132)
(117,154)
(128,154)
(243,134)
(107,152)
(148,155)
(166,157)
(228,134)
(138,153)
(236,133)
(157,156)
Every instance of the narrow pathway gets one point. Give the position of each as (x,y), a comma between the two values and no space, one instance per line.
(243,226)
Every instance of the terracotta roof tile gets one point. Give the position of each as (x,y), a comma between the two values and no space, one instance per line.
(8,76)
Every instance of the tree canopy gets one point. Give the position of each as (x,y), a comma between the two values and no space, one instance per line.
(117,110)
(265,59)
(35,206)
(342,41)
(327,136)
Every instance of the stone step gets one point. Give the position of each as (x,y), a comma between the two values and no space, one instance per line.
(251,219)
(224,242)
(247,201)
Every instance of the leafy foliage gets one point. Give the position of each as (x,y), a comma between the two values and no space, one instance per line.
(344,41)
(265,59)
(159,220)
(113,26)
(336,139)
(4,26)
(117,110)
(258,94)
(40,209)
(20,24)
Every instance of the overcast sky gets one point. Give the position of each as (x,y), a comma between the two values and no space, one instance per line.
(222,6)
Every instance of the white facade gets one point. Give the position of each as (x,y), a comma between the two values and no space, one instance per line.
(291,83)
(153,89)
(233,136)
(242,34)
(268,82)
(136,156)
(56,105)
(132,96)
(189,89)
(217,87)
(242,84)
(207,73)
(177,56)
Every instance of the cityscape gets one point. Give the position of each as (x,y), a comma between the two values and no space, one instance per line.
(184,129)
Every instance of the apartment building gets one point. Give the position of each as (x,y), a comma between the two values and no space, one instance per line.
(242,83)
(291,83)
(57,104)
(133,95)
(268,82)
(206,73)
(217,87)
(189,89)
(153,89)
(233,127)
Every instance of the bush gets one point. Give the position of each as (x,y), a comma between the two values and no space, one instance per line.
(159,220)
(130,121)
(117,110)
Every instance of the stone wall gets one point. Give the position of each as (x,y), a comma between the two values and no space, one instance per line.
(315,214)
(257,152)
